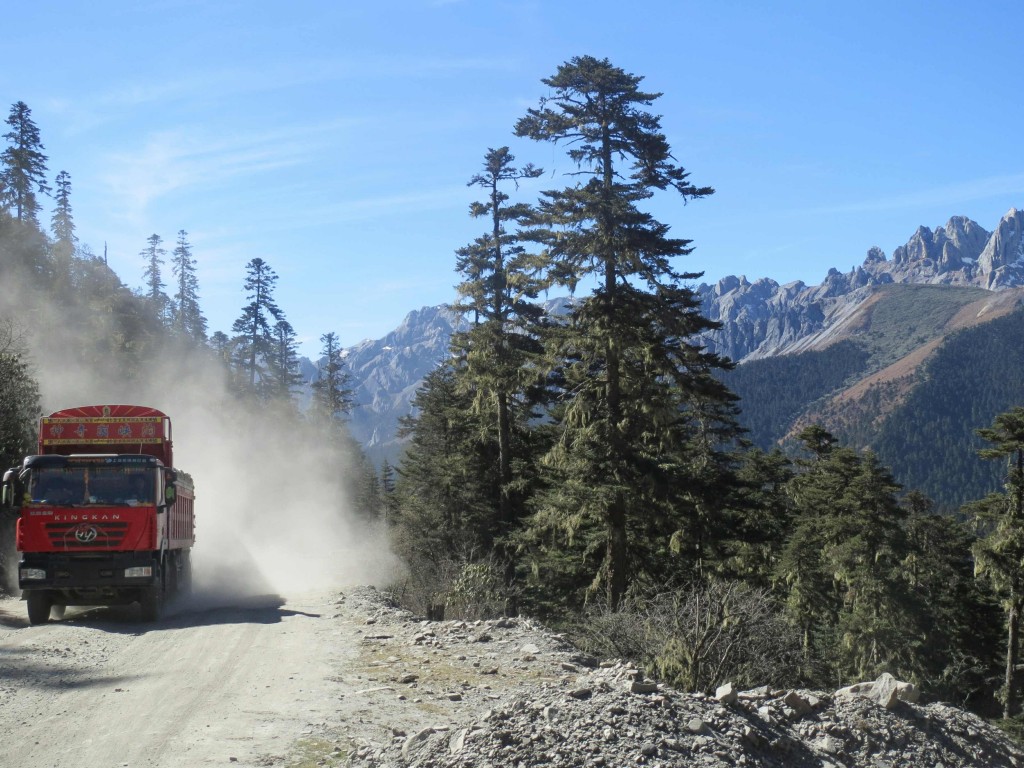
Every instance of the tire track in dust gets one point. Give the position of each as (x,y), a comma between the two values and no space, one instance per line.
(180,726)
(123,699)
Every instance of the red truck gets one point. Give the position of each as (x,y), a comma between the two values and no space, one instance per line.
(104,518)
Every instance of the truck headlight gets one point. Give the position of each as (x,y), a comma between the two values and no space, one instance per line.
(32,574)
(138,571)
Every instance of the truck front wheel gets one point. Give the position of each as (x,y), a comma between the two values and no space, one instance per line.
(152,601)
(38,607)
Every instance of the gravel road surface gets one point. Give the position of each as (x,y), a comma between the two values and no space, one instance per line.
(218,681)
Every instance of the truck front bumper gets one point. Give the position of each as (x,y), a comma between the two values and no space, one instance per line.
(85,574)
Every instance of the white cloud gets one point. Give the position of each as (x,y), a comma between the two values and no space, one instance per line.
(946,195)
(173,161)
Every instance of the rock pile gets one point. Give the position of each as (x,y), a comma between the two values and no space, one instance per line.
(548,705)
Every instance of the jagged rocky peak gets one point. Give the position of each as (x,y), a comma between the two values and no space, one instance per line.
(763,318)
(964,234)
(918,247)
(1002,260)
(733,295)
(947,255)
(875,256)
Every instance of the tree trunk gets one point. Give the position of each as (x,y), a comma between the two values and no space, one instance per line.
(1012,626)
(504,462)
(616,553)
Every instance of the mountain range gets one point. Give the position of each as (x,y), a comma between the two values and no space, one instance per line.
(865,339)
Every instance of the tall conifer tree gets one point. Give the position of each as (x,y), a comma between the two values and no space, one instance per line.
(445,510)
(630,369)
(999,556)
(499,280)
(62,223)
(62,226)
(254,327)
(153,255)
(332,391)
(283,363)
(186,314)
(23,172)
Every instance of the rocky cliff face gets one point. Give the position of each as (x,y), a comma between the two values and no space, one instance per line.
(763,318)
(387,372)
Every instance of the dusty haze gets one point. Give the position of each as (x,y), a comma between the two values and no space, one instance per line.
(271,507)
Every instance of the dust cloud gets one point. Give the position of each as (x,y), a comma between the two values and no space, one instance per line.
(272,508)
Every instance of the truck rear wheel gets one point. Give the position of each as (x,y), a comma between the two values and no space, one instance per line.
(38,607)
(185,579)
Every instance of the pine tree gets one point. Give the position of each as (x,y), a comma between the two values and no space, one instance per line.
(225,349)
(444,500)
(256,337)
(186,315)
(956,657)
(23,173)
(762,517)
(811,595)
(842,570)
(630,374)
(1000,554)
(153,255)
(866,548)
(332,392)
(65,241)
(499,280)
(387,487)
(283,375)
(62,224)
(19,398)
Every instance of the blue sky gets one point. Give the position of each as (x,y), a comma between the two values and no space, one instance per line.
(334,140)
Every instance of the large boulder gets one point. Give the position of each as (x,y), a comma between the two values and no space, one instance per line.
(886,690)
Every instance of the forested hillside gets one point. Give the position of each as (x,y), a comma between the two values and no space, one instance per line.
(907,380)
(974,376)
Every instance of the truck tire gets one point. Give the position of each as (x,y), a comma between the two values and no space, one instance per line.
(185,579)
(152,602)
(171,577)
(38,607)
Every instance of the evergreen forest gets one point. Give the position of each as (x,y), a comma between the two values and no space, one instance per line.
(594,469)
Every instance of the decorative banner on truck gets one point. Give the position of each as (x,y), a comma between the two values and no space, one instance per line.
(102,431)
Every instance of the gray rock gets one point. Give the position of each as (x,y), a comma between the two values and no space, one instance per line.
(799,704)
(885,691)
(416,741)
(530,717)
(726,694)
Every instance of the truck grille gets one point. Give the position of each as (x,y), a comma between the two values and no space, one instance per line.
(105,535)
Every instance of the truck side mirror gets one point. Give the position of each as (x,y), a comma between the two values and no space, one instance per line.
(7,495)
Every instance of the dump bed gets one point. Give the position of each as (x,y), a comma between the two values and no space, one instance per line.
(123,429)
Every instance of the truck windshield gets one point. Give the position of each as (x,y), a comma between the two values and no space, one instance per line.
(109,485)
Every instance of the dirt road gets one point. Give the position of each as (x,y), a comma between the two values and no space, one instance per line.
(240,681)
